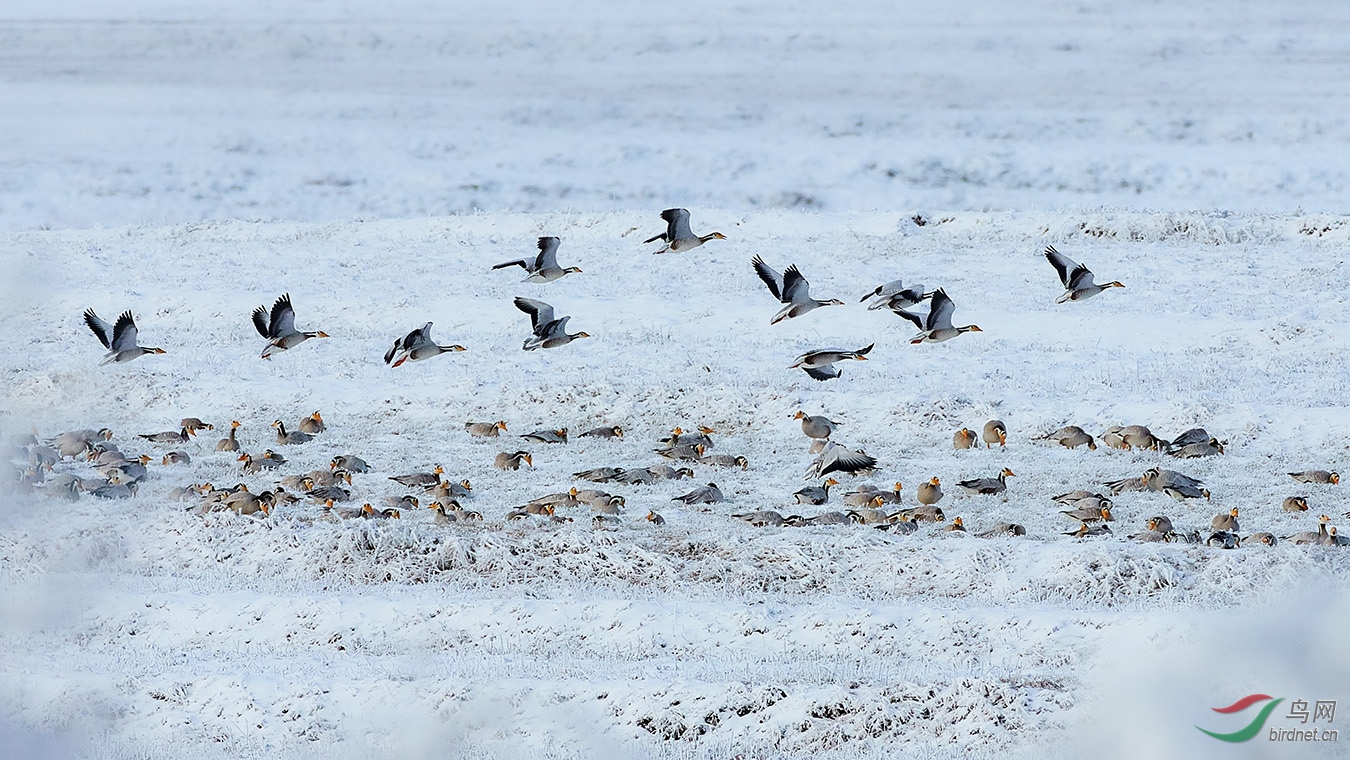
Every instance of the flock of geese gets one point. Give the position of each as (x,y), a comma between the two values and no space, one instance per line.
(32,464)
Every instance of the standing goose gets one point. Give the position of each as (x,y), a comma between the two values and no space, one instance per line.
(292,437)
(678,236)
(544,267)
(819,364)
(791,289)
(819,427)
(988,486)
(963,439)
(119,339)
(548,332)
(1077,278)
(230,442)
(416,346)
(279,328)
(995,432)
(484,429)
(938,326)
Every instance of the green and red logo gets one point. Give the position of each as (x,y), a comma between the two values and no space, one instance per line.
(1252,728)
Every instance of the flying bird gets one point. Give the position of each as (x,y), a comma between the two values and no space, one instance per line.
(790,288)
(819,364)
(416,346)
(1077,278)
(678,237)
(279,329)
(119,339)
(938,326)
(548,332)
(544,267)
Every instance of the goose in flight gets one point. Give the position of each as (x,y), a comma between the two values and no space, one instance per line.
(791,289)
(279,327)
(819,364)
(938,326)
(1077,278)
(548,332)
(416,346)
(678,237)
(119,339)
(544,267)
(898,298)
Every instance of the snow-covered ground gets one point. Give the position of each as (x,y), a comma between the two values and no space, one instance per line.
(1202,163)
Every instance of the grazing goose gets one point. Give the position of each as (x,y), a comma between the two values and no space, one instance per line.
(592,497)
(1003,529)
(76,442)
(963,439)
(253,466)
(422,479)
(1227,522)
(547,436)
(446,511)
(447,489)
(548,331)
(995,432)
(484,429)
(1174,484)
(725,460)
(1259,539)
(1118,487)
(819,427)
(708,494)
(1071,437)
(608,431)
(870,494)
(279,328)
(1084,531)
(1114,439)
(119,339)
(836,458)
(930,493)
(505,461)
(402,502)
(1209,448)
(1223,540)
(762,519)
(290,437)
(988,486)
(176,457)
(1140,437)
(349,462)
(683,452)
(193,423)
(1316,476)
(371,513)
(666,472)
(1295,504)
(1194,435)
(923,513)
(329,493)
(1087,515)
(938,326)
(544,266)
(678,236)
(819,364)
(791,289)
(182,436)
(329,477)
(830,518)
(416,346)
(302,483)
(816,495)
(599,474)
(230,442)
(679,437)
(655,519)
(1077,279)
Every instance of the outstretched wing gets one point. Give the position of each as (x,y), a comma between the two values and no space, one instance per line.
(522,263)
(915,318)
(940,311)
(795,287)
(283,317)
(1063,265)
(677,224)
(772,279)
(102,330)
(828,372)
(540,312)
(260,321)
(1080,278)
(124,333)
(548,253)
